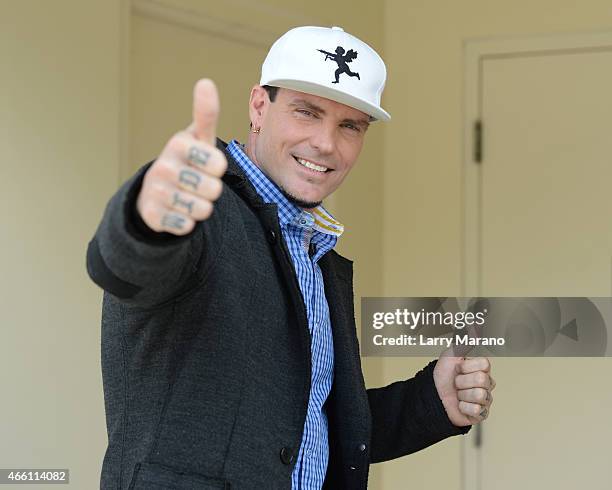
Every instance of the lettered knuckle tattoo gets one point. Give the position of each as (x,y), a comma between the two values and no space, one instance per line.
(173,221)
(190,179)
(182,202)
(198,156)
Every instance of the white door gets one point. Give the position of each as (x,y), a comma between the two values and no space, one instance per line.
(539,223)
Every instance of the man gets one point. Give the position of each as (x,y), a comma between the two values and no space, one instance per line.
(229,350)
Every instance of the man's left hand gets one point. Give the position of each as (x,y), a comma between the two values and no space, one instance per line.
(464,386)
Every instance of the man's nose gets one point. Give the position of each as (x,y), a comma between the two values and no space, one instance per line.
(324,139)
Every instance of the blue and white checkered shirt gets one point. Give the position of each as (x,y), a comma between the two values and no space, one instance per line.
(301,228)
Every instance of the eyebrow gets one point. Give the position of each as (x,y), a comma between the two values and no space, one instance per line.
(315,108)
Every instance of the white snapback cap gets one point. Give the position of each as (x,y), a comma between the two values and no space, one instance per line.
(330,63)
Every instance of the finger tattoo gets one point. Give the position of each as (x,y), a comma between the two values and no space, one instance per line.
(484,412)
(177,201)
(190,179)
(173,221)
(198,156)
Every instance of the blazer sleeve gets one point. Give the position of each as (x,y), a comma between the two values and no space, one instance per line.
(408,416)
(137,265)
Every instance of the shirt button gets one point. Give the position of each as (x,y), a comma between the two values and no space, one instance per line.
(361,447)
(271,236)
(286,455)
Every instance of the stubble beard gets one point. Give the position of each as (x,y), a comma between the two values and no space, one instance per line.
(290,197)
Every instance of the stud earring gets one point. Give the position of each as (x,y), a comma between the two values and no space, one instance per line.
(255,130)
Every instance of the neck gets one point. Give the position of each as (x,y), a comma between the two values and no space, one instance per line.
(249,148)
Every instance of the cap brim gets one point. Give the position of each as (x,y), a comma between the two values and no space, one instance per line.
(332,94)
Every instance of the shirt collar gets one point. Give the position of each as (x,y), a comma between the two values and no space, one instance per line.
(319,218)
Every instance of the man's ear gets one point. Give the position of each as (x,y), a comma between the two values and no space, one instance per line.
(258,104)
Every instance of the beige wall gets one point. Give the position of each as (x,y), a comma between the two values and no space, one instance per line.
(64,100)
(59,99)
(422,176)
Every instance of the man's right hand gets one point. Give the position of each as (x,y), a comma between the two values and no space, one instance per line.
(181,186)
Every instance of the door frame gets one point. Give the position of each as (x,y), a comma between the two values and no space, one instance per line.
(475,52)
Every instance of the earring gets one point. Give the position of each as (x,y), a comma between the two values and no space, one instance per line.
(255,130)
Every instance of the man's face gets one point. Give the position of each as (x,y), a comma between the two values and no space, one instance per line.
(298,130)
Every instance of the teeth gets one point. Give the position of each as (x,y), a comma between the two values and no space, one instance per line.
(311,165)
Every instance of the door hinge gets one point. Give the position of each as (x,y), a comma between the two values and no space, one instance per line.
(478,141)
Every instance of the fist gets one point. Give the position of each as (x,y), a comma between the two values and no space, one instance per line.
(464,386)
(185,180)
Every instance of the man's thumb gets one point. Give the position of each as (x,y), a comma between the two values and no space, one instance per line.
(205,110)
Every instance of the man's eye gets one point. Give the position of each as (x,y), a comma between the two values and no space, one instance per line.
(352,127)
(305,112)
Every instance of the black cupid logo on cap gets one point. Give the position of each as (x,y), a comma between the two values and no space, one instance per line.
(341,59)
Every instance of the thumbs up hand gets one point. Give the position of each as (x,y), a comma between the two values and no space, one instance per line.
(181,186)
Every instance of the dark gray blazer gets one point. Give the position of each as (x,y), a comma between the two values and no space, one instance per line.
(206,356)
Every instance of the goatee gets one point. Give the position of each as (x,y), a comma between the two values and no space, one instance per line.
(299,202)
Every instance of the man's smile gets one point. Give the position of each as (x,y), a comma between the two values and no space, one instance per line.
(317,167)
